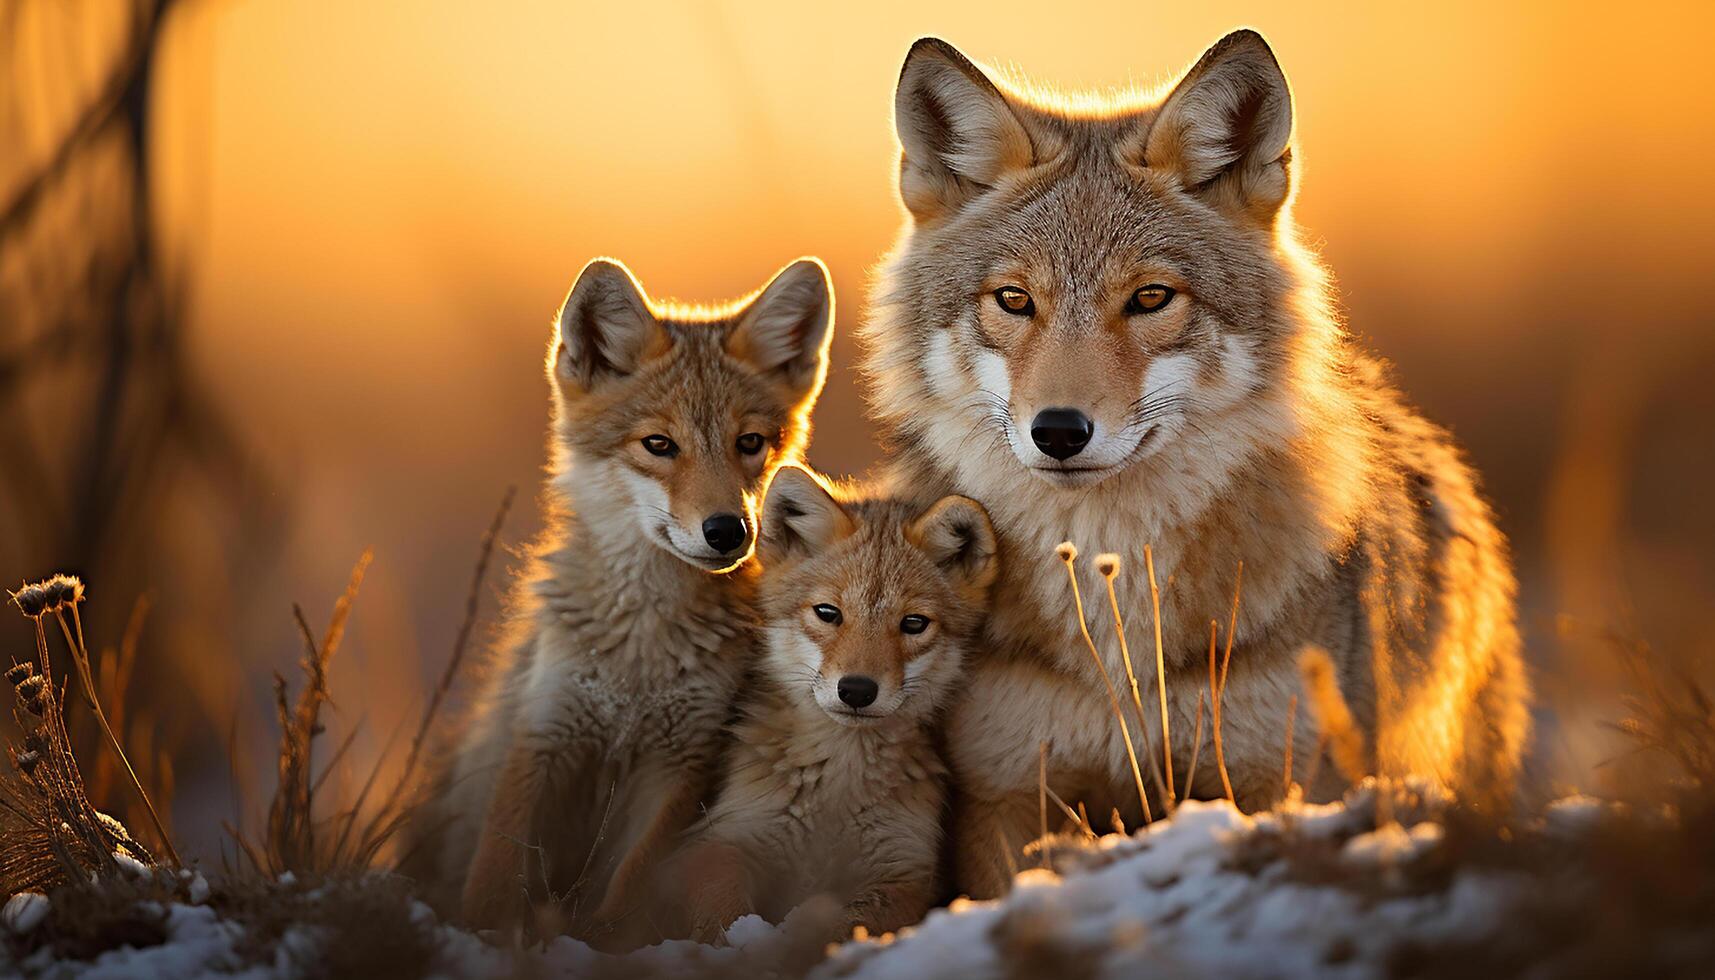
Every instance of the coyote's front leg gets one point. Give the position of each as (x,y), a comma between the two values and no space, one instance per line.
(496,887)
(889,907)
(675,807)
(990,839)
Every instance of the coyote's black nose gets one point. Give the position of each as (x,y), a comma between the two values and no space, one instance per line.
(724,532)
(859,692)
(1061,432)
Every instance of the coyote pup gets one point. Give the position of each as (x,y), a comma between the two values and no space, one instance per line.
(833,785)
(1100,324)
(598,736)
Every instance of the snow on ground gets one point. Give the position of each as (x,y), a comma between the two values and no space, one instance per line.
(1209,892)
(1181,896)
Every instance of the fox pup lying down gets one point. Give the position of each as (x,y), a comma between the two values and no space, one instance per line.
(833,785)
(599,735)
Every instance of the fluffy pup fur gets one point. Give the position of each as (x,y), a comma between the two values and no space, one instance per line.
(833,785)
(1132,264)
(598,734)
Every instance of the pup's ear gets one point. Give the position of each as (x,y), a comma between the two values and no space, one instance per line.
(1226,130)
(786,330)
(604,328)
(957,536)
(800,517)
(958,132)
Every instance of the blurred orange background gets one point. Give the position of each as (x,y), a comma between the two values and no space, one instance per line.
(374,208)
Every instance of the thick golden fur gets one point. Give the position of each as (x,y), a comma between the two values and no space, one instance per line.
(1237,421)
(597,737)
(819,797)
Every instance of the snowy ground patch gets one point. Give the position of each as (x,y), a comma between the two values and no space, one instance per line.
(1306,891)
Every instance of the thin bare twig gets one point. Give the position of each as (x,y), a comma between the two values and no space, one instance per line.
(1160,671)
(1068,553)
(472,603)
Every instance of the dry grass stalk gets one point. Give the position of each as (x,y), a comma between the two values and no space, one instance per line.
(473,601)
(1068,554)
(358,836)
(1042,798)
(1333,717)
(1196,748)
(1291,714)
(86,679)
(1215,712)
(113,679)
(290,842)
(1076,816)
(52,834)
(1160,672)
(1108,565)
(1671,713)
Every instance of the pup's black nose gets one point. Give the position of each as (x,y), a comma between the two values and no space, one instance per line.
(1061,432)
(724,532)
(859,692)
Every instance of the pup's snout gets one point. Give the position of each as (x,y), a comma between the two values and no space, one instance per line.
(1061,432)
(725,533)
(858,691)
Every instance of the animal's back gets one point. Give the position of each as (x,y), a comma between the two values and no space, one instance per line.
(1450,682)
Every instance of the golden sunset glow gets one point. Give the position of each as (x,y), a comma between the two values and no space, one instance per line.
(377,208)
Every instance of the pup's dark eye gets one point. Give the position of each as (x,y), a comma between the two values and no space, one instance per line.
(750,443)
(1149,299)
(1015,301)
(914,624)
(827,613)
(660,445)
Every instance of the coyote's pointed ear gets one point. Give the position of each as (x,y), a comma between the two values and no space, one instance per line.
(800,517)
(957,537)
(958,132)
(604,328)
(787,329)
(1226,130)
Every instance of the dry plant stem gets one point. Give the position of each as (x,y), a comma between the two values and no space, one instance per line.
(1196,747)
(1160,672)
(1291,713)
(41,648)
(1113,696)
(472,601)
(1042,797)
(1163,785)
(1071,814)
(1215,713)
(1232,625)
(80,659)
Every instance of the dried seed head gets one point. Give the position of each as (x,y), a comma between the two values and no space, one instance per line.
(39,598)
(19,673)
(27,761)
(31,600)
(64,590)
(37,705)
(1067,551)
(31,687)
(1108,564)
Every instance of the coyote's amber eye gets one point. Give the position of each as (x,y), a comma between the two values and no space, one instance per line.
(1015,301)
(827,613)
(1150,298)
(914,624)
(750,443)
(659,445)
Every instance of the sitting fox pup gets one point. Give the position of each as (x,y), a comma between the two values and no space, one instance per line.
(600,737)
(833,785)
